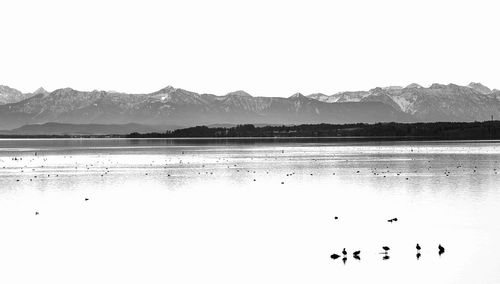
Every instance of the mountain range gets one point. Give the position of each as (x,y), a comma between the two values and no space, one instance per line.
(438,102)
(171,107)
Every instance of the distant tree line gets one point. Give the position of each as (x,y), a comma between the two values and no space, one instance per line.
(434,130)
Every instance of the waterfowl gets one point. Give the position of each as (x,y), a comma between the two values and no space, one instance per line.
(441,249)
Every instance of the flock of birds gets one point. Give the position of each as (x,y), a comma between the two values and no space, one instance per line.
(385,249)
(383,172)
(385,252)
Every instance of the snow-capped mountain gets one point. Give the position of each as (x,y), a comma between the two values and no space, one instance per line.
(436,103)
(480,88)
(174,106)
(9,95)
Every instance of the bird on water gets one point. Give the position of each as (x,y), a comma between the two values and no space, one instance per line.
(441,249)
(386,249)
(344,252)
(418,247)
(334,256)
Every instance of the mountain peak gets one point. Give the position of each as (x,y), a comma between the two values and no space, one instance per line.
(437,86)
(7,89)
(297,96)
(392,88)
(40,90)
(65,91)
(239,93)
(480,88)
(413,86)
(9,95)
(376,90)
(168,89)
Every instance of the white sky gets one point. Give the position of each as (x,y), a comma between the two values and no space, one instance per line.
(268,48)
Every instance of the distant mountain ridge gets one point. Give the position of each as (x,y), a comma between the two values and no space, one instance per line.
(175,106)
(439,102)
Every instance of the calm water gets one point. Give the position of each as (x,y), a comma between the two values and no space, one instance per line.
(248,211)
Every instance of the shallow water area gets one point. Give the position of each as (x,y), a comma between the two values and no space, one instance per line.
(248,211)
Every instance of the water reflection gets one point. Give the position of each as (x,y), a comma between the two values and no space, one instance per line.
(220,196)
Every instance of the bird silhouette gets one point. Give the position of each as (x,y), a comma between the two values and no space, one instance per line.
(441,249)
(356,257)
(356,253)
(334,256)
(386,249)
(344,259)
(344,252)
(386,257)
(418,247)
(418,255)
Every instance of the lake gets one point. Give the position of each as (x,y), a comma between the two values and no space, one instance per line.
(248,211)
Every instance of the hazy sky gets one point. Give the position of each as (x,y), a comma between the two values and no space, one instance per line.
(268,48)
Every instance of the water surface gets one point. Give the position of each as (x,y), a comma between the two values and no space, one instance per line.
(248,210)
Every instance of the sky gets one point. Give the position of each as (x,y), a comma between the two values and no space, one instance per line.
(267,48)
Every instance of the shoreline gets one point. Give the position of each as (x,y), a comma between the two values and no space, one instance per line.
(433,131)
